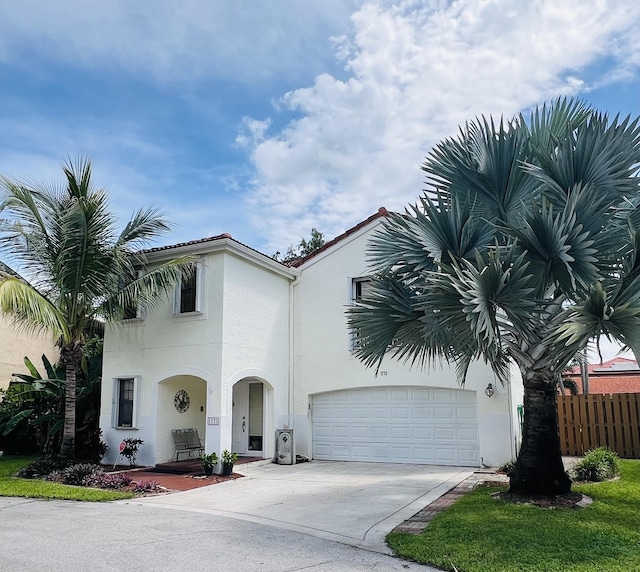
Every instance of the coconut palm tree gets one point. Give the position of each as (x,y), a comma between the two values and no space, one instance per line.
(81,271)
(524,247)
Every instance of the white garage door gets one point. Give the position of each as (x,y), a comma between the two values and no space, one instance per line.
(396,425)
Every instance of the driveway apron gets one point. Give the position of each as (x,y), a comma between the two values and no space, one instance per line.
(353,503)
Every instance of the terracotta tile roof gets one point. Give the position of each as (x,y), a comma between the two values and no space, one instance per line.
(618,375)
(189,243)
(300,261)
(612,367)
(224,236)
(290,263)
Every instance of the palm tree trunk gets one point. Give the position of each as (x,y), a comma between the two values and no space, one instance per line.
(539,469)
(67,447)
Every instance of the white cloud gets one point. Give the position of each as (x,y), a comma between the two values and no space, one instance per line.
(416,71)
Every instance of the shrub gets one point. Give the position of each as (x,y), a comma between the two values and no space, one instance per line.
(42,467)
(597,465)
(101,480)
(131,449)
(75,474)
(508,467)
(55,477)
(146,487)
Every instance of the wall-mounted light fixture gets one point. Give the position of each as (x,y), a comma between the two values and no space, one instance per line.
(489,391)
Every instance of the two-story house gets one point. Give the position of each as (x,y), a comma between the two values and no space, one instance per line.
(249,345)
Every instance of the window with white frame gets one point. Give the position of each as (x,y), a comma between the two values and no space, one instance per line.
(125,390)
(359,288)
(188,297)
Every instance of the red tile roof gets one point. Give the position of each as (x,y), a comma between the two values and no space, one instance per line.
(300,261)
(291,263)
(618,375)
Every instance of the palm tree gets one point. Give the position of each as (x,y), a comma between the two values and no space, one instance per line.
(524,247)
(81,270)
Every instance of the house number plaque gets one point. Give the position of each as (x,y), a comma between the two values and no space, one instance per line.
(213,420)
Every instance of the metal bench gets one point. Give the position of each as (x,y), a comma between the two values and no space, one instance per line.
(186,441)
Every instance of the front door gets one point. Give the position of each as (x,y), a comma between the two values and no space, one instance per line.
(240,414)
(248,418)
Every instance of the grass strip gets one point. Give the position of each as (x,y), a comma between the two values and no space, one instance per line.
(484,534)
(11,486)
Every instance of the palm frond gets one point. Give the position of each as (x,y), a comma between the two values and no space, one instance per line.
(145,225)
(29,309)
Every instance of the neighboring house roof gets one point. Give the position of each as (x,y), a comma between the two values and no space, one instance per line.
(382,212)
(618,375)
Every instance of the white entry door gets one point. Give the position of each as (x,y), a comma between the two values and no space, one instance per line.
(248,418)
(424,425)
(240,418)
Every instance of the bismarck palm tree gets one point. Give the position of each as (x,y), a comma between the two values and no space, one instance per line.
(80,270)
(523,249)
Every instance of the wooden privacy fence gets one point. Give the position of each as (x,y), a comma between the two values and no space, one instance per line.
(589,421)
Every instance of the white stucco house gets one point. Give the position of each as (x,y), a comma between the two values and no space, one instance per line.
(250,345)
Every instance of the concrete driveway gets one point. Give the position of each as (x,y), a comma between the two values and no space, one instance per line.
(352,503)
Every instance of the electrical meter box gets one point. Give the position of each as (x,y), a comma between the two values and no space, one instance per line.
(284,447)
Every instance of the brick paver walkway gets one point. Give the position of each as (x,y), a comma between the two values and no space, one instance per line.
(419,521)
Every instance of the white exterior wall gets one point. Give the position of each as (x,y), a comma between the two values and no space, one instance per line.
(241,332)
(324,362)
(255,341)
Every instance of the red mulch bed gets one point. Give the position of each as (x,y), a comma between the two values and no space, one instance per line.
(171,482)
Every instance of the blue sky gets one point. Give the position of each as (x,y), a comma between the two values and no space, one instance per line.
(265,119)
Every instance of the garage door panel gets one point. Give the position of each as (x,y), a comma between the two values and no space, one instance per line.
(468,434)
(444,433)
(422,434)
(403,425)
(420,413)
(399,394)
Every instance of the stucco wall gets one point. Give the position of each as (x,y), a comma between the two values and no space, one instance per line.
(241,332)
(16,344)
(324,362)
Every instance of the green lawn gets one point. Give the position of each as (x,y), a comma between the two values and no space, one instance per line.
(483,534)
(10,486)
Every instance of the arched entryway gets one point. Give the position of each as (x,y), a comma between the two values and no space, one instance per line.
(252,423)
(182,401)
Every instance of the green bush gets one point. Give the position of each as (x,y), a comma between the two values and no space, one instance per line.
(508,467)
(131,449)
(42,467)
(597,465)
(75,474)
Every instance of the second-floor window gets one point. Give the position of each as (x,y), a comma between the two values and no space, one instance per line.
(189,292)
(360,288)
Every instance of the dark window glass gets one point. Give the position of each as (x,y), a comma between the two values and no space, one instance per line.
(188,293)
(362,286)
(130,313)
(125,403)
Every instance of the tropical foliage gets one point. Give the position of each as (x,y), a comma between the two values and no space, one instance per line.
(32,408)
(81,271)
(524,247)
(304,247)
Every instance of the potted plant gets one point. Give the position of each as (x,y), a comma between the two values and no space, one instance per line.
(228,460)
(209,461)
